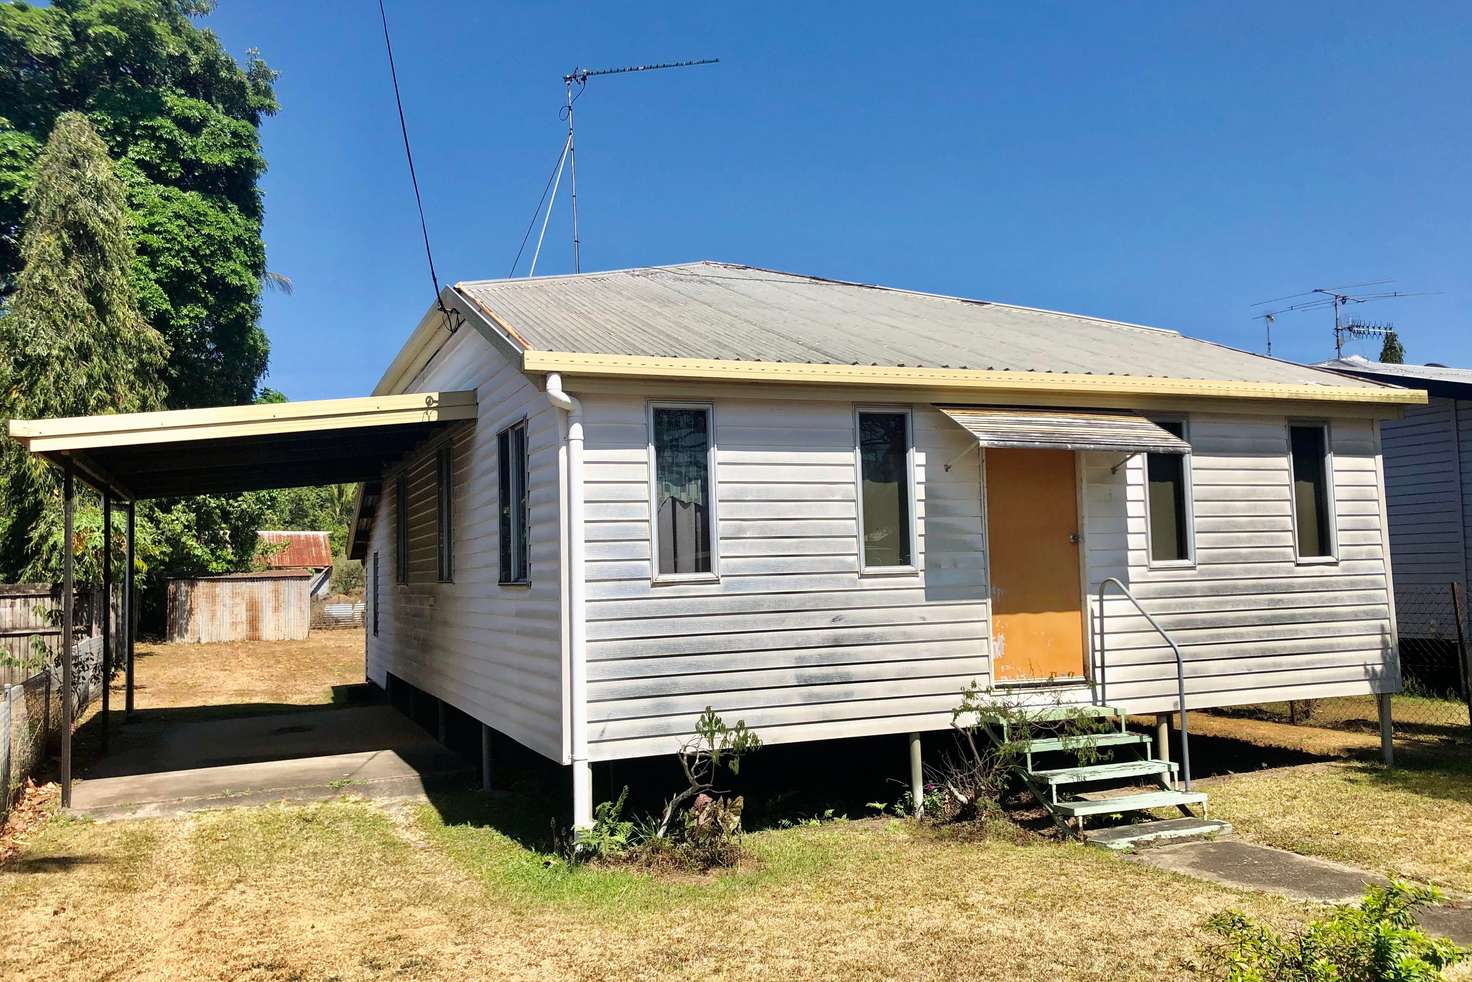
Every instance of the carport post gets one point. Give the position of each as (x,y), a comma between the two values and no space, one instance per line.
(106,613)
(66,635)
(129,615)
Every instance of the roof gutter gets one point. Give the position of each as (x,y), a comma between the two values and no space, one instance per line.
(638,366)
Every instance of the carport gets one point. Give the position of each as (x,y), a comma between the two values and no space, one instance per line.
(132,457)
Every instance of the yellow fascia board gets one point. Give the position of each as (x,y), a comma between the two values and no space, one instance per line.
(574,363)
(174,426)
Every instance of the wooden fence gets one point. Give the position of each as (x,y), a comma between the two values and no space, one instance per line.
(30,626)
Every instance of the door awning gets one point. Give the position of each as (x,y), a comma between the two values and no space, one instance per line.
(1116,430)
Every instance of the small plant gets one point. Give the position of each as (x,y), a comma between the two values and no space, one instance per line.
(1376,939)
(611,835)
(715,745)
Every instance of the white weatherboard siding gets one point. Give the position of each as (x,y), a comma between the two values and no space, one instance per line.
(493,651)
(792,639)
(1254,625)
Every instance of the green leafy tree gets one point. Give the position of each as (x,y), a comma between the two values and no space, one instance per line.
(1391,350)
(72,341)
(181,118)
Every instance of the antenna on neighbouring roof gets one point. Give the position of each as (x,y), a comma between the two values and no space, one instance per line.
(568,156)
(1335,296)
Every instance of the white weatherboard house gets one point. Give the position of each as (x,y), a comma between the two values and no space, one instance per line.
(825,508)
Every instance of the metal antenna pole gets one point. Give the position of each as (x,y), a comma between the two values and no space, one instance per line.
(572,159)
(581,76)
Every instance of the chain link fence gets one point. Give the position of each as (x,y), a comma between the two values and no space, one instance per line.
(1435,701)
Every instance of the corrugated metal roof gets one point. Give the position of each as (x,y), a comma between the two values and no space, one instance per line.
(724,311)
(1065,429)
(298,550)
(1359,365)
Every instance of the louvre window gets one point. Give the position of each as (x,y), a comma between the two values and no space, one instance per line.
(1169,502)
(1312,514)
(884,492)
(511,456)
(444,475)
(683,503)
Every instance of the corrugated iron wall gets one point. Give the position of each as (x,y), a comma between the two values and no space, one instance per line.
(268,607)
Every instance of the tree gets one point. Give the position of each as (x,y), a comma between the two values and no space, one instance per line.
(1391,351)
(181,118)
(73,341)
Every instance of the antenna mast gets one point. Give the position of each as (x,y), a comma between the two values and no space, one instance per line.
(1321,297)
(579,77)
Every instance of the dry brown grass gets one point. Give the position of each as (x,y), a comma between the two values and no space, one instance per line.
(1414,821)
(348,890)
(271,672)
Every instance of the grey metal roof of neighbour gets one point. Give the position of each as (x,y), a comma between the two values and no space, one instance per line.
(724,311)
(1436,379)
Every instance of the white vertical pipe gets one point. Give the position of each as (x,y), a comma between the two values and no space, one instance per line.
(577,612)
(917,775)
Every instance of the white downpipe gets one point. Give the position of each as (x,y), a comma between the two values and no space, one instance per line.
(577,611)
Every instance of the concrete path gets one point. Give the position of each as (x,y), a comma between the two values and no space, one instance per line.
(166,767)
(1249,866)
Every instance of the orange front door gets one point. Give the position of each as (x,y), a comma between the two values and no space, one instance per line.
(1032,536)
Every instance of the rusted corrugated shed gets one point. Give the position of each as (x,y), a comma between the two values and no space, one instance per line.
(272,605)
(296,550)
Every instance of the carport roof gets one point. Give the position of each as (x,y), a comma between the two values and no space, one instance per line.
(242,448)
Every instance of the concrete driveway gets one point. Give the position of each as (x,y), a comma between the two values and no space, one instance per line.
(162,765)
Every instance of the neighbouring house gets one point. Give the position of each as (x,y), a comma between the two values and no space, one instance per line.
(262,605)
(826,507)
(1428,488)
(310,551)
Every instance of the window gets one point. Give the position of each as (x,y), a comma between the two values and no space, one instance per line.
(887,536)
(682,462)
(511,459)
(443,486)
(401,529)
(375,593)
(1312,515)
(1168,501)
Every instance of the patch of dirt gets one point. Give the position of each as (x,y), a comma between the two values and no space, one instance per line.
(33,806)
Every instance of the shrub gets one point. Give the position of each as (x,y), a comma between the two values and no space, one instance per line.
(1374,940)
(976,778)
(700,826)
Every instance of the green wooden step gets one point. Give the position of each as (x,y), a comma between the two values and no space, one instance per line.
(1129,803)
(1044,714)
(1105,772)
(1111,739)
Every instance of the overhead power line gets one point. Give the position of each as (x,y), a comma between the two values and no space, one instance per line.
(453,320)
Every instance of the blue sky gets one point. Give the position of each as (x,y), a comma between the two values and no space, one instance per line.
(1167,164)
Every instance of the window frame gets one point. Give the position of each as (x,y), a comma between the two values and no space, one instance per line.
(657,578)
(1330,502)
(401,528)
(520,531)
(444,479)
(1190,501)
(375,593)
(913,567)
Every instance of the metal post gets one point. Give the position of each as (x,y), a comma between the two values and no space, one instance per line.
(67,493)
(1162,736)
(106,615)
(1387,742)
(1457,614)
(485,757)
(582,794)
(917,775)
(130,614)
(572,159)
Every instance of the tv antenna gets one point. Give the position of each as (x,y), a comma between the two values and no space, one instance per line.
(579,77)
(1338,298)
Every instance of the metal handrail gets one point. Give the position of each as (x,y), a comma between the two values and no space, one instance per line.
(1180,669)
